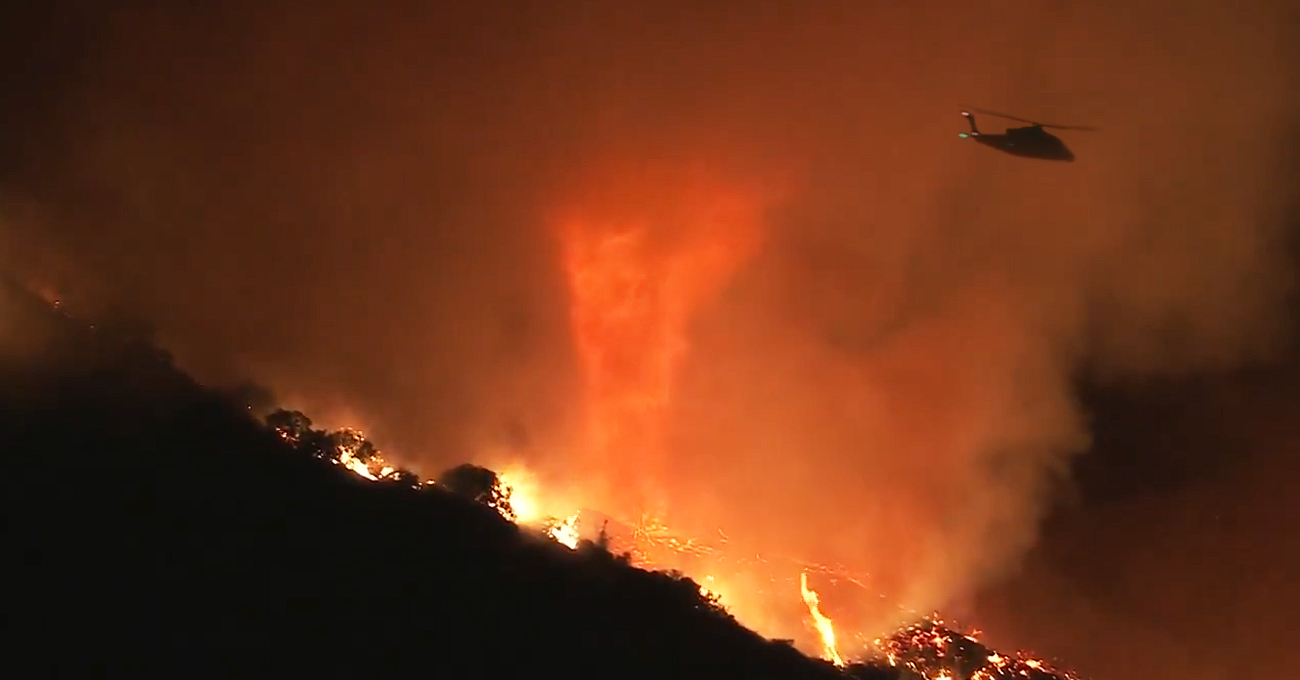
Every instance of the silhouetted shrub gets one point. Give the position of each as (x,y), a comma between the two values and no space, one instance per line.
(480,485)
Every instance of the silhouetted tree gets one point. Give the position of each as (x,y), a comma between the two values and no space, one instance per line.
(480,485)
(293,426)
(349,441)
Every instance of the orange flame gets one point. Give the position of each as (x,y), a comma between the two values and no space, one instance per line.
(825,629)
(640,263)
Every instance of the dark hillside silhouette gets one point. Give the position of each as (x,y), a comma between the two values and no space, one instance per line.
(161,530)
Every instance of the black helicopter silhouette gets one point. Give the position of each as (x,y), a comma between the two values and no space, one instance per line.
(1032,141)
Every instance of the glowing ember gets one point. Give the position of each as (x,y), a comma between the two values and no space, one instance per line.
(824,627)
(932,651)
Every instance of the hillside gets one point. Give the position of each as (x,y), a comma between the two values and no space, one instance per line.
(162,530)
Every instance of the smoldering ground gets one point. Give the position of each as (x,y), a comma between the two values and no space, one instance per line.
(350,205)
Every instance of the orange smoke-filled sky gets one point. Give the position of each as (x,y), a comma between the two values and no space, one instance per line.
(858,337)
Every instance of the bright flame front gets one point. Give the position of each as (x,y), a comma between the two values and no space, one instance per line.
(825,629)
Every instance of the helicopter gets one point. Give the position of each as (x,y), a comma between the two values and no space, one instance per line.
(1031,141)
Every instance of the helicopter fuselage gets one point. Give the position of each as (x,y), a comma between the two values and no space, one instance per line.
(1028,142)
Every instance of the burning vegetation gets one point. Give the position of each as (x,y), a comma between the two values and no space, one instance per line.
(681,567)
(928,649)
(632,298)
(925,650)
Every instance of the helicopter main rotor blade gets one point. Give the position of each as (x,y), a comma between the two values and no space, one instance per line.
(1031,122)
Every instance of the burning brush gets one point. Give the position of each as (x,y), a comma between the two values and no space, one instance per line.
(928,650)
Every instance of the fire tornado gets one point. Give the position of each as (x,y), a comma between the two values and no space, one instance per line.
(642,258)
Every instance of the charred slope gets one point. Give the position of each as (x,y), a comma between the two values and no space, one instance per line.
(160,530)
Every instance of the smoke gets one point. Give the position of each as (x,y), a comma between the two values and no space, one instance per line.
(1109,583)
(356,208)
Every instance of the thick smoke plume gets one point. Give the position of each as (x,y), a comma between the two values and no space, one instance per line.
(365,209)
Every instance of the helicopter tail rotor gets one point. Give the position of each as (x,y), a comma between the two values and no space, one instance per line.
(968,109)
